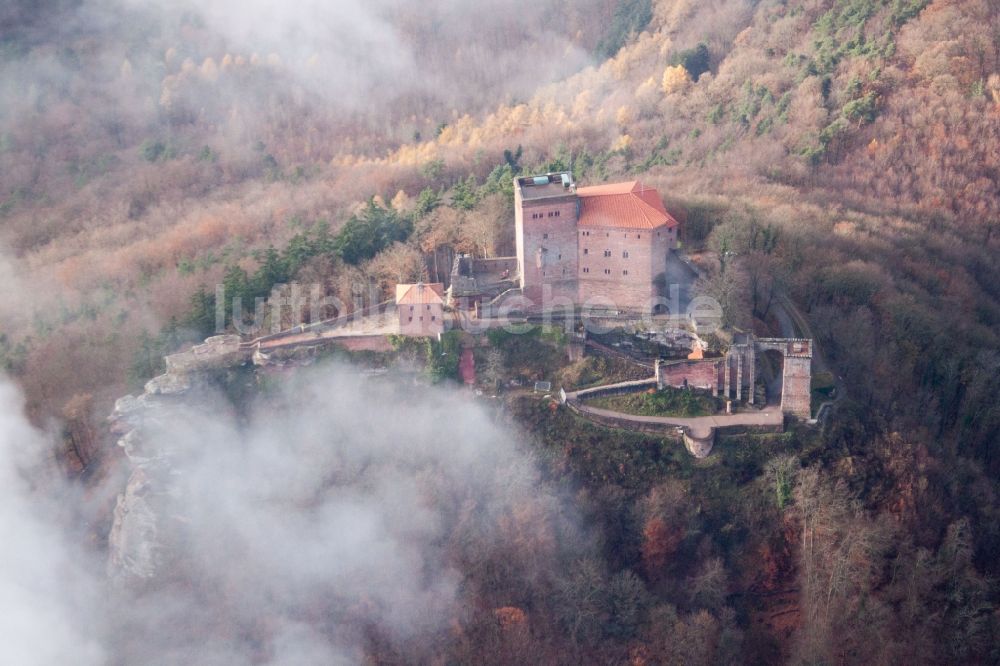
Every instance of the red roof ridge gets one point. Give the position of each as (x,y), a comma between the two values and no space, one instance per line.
(420,293)
(626,187)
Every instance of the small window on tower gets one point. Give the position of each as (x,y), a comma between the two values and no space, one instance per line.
(607,271)
(545,236)
(557,213)
(586,251)
(625,254)
(625,272)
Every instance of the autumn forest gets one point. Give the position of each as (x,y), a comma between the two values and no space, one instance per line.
(841,154)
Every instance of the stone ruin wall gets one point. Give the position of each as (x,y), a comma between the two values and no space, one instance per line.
(698,374)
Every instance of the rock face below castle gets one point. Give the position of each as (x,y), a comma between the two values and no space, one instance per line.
(144,521)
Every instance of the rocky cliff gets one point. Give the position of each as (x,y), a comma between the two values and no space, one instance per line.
(142,522)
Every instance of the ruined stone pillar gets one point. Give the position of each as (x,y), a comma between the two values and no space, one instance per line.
(752,353)
(725,375)
(715,380)
(659,375)
(739,376)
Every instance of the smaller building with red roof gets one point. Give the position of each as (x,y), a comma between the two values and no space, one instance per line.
(420,308)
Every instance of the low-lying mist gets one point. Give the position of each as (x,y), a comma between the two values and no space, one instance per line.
(335,515)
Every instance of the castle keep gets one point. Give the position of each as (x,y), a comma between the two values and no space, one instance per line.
(604,246)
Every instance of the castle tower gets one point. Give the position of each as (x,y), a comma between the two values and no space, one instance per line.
(546,210)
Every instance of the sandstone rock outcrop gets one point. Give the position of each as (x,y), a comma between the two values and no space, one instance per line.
(140,532)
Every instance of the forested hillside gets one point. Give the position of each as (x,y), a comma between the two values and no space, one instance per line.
(842,153)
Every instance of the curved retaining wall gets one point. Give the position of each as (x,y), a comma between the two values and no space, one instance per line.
(699,445)
(697,433)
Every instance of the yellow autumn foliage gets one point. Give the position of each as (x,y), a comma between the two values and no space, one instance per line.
(675,79)
(624,142)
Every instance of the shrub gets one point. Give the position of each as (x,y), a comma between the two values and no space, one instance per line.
(370,232)
(696,61)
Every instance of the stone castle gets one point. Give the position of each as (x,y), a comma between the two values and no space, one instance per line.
(605,245)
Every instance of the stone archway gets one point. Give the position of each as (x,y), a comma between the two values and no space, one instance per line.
(770,370)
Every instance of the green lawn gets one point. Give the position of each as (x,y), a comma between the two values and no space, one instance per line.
(668,402)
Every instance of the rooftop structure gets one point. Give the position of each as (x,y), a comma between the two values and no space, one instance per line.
(549,186)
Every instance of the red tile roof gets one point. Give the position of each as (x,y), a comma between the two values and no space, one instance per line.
(419,294)
(628,205)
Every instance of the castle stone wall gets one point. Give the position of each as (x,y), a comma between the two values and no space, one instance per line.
(699,374)
(617,267)
(547,246)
